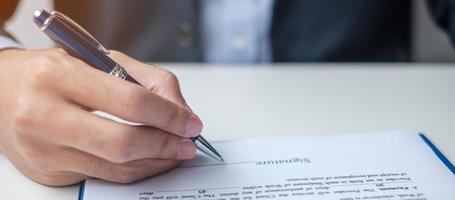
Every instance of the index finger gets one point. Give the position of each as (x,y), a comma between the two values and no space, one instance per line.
(97,90)
(166,84)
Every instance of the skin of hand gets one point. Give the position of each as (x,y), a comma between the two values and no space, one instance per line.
(48,132)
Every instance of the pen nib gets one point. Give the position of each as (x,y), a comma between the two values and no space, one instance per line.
(207,148)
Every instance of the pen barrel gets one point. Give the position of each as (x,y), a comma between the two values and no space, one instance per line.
(76,45)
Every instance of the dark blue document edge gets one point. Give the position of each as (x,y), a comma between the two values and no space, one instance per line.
(427,141)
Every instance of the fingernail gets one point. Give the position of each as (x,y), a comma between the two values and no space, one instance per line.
(194,127)
(186,149)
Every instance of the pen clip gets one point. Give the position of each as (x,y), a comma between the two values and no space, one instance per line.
(81,30)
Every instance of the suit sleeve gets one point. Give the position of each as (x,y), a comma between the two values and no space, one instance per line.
(7,8)
(443,12)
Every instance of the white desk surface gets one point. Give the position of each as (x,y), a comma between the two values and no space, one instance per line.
(245,101)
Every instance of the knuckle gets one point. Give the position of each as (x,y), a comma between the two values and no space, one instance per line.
(45,66)
(41,74)
(174,115)
(24,113)
(35,157)
(170,76)
(119,150)
(163,145)
(50,57)
(131,103)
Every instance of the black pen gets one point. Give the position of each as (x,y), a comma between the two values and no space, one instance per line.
(77,42)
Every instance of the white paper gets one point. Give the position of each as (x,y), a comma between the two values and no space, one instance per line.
(393,165)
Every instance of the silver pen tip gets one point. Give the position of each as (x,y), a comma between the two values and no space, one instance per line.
(204,146)
(218,157)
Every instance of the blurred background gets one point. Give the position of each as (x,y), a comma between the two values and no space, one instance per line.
(429,42)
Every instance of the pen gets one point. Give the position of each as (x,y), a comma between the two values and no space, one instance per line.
(77,42)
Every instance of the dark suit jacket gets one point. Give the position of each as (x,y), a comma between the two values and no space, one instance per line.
(301,30)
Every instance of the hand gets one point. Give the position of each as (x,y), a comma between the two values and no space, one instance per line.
(48,132)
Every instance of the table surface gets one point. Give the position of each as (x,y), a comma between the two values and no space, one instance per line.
(307,99)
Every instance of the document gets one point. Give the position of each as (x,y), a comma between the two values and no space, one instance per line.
(368,166)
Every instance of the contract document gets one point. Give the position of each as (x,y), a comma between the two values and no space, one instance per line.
(391,165)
